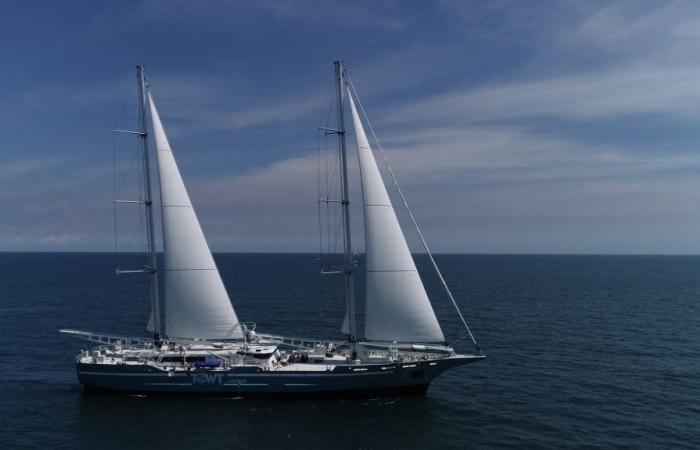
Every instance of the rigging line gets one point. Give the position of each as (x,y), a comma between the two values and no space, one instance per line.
(338,228)
(334,213)
(331,181)
(410,214)
(117,186)
(325,112)
(135,157)
(323,209)
(324,148)
(114,197)
(116,126)
(122,108)
(333,174)
(145,239)
(342,182)
(118,183)
(319,293)
(318,175)
(331,209)
(327,205)
(126,174)
(323,190)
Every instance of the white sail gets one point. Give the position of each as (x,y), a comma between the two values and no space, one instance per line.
(396,305)
(196,302)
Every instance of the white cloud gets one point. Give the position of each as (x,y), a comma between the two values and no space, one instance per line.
(447,112)
(600,95)
(63,239)
(454,177)
(27,239)
(15,169)
(636,30)
(496,154)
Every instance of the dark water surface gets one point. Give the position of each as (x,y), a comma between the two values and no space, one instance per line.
(583,352)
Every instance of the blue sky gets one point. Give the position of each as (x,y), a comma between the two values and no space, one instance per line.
(525,127)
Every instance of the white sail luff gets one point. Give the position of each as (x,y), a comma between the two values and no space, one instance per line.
(196,302)
(397,307)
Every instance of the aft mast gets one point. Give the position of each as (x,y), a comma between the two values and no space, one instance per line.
(345,201)
(152,267)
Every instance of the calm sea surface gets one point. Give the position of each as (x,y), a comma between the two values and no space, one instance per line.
(582,352)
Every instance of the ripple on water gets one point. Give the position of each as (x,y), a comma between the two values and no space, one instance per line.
(582,352)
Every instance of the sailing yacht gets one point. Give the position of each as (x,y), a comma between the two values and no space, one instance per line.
(203,348)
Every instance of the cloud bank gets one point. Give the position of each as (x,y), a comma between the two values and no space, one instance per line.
(565,129)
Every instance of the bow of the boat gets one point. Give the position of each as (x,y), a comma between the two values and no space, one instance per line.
(454,361)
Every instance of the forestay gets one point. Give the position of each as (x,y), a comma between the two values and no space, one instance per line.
(396,305)
(196,302)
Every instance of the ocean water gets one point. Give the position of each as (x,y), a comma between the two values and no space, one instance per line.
(582,352)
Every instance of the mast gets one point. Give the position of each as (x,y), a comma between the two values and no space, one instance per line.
(152,267)
(345,200)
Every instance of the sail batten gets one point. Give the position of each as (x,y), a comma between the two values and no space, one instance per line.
(196,302)
(397,307)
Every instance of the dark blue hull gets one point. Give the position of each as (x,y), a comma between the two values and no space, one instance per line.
(342,381)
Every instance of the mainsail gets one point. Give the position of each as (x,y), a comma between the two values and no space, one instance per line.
(396,305)
(196,302)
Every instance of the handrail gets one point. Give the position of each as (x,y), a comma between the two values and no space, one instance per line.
(103,338)
(298,342)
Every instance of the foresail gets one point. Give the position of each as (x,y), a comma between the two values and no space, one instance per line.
(196,302)
(397,307)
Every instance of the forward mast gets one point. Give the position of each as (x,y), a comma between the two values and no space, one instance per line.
(152,267)
(350,324)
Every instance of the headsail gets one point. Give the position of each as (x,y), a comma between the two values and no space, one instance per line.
(396,306)
(196,302)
